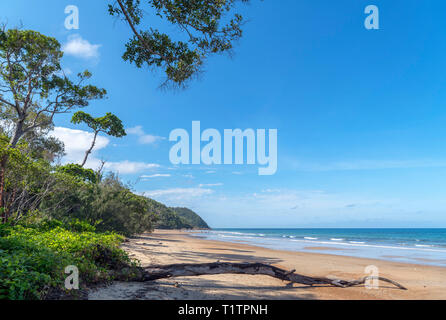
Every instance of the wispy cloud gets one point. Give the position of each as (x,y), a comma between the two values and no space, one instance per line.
(81,48)
(285,207)
(211,185)
(368,165)
(143,138)
(281,207)
(130,167)
(157,175)
(177,194)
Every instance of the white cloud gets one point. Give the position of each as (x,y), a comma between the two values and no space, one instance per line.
(135,130)
(157,175)
(143,137)
(81,48)
(176,194)
(368,165)
(129,167)
(149,139)
(211,185)
(78,141)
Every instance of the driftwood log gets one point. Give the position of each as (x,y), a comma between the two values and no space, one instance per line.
(156,272)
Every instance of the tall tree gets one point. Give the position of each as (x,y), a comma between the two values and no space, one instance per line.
(33,87)
(208,26)
(108,124)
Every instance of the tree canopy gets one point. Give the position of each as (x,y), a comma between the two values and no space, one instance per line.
(108,124)
(208,26)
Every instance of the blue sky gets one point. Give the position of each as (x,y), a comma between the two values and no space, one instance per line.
(360,114)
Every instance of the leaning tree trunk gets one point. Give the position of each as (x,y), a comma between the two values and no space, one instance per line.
(87,153)
(182,270)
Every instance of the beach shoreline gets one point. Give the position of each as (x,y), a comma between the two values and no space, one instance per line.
(413,246)
(176,246)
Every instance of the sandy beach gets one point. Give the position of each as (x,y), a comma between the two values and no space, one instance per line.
(166,247)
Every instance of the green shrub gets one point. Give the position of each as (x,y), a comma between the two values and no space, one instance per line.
(33,259)
(26,268)
(108,205)
(47,224)
(81,226)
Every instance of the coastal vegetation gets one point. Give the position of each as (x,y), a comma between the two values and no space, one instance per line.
(52,215)
(34,255)
(191,218)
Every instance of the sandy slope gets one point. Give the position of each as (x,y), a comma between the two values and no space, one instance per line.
(165,247)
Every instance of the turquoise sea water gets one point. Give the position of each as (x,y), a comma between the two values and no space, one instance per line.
(421,246)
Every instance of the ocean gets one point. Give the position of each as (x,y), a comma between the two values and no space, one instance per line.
(419,246)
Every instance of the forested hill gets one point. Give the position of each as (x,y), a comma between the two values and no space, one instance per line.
(176,218)
(191,217)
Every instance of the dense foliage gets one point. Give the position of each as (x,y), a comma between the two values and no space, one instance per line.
(176,218)
(168,219)
(108,204)
(191,218)
(78,172)
(33,257)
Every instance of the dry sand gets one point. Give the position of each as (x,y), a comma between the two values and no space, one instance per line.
(166,247)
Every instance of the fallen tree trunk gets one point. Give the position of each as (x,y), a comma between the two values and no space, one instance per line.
(190,269)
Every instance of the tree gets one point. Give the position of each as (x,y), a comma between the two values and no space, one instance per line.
(204,23)
(28,180)
(80,173)
(33,87)
(108,204)
(108,124)
(39,146)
